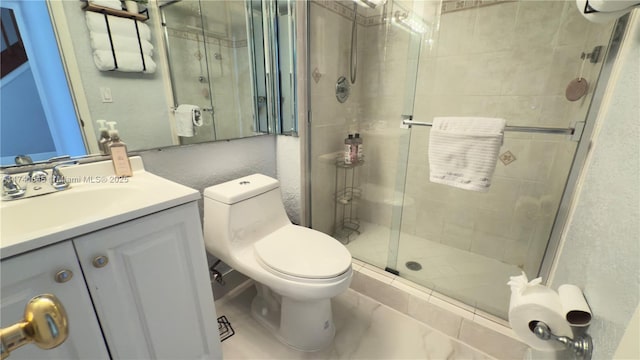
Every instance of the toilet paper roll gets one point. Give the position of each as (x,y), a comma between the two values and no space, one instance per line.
(530,303)
(574,306)
(523,319)
(600,17)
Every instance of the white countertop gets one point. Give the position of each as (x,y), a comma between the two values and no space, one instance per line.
(97,199)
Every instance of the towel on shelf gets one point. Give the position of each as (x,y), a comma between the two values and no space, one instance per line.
(463,151)
(100,41)
(127,61)
(117,25)
(112,4)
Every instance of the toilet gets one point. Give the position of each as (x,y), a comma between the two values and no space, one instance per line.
(296,270)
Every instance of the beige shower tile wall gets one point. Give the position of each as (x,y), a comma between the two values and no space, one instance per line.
(387,74)
(331,121)
(498,61)
(233,95)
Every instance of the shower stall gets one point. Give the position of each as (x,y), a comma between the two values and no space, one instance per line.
(417,60)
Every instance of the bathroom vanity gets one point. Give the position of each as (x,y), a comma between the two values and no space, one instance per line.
(130,269)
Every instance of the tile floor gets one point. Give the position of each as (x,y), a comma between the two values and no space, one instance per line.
(474,279)
(365,329)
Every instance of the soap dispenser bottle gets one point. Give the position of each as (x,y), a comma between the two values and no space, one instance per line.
(348,150)
(359,147)
(118,150)
(103,142)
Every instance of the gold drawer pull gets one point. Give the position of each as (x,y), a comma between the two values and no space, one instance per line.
(44,324)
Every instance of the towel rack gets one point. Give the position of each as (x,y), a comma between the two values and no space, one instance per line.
(540,130)
(142,16)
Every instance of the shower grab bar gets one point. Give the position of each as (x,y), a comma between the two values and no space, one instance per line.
(541,130)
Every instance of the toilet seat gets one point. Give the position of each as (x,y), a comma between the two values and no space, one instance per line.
(299,252)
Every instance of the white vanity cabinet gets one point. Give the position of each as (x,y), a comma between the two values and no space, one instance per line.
(148,283)
(27,275)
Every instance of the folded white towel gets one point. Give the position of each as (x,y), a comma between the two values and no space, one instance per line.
(100,41)
(127,61)
(117,25)
(112,4)
(463,151)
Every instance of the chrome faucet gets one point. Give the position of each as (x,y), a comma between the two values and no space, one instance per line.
(10,189)
(36,182)
(58,181)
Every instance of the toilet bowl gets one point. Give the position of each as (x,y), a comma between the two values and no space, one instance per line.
(297,270)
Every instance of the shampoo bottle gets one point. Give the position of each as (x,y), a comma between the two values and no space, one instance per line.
(118,150)
(103,142)
(348,148)
(359,148)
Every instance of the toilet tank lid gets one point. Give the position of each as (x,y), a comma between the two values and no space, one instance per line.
(237,190)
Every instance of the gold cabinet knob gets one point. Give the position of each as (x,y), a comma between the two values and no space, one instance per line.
(64,275)
(100,261)
(44,324)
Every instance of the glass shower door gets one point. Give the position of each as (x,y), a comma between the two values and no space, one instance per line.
(376,57)
(465,244)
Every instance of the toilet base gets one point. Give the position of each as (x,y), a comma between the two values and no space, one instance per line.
(302,325)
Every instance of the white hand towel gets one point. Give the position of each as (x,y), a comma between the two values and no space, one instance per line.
(100,41)
(463,151)
(127,61)
(187,119)
(112,4)
(117,25)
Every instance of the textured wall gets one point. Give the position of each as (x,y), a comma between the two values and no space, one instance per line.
(601,247)
(203,165)
(288,170)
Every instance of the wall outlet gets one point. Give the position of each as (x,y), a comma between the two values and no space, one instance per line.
(105,94)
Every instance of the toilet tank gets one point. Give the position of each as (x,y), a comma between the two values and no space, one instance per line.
(242,211)
(234,191)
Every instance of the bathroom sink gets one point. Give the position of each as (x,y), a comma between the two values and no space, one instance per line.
(95,200)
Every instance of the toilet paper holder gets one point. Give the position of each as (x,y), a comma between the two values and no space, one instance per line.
(582,346)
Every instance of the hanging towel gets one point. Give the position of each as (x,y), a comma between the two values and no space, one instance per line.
(463,151)
(187,119)
(117,25)
(127,61)
(100,41)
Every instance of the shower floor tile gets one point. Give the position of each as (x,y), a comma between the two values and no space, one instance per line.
(365,329)
(475,279)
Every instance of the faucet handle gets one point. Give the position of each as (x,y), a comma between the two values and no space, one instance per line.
(10,189)
(57,179)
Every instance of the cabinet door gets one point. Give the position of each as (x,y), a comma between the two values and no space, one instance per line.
(34,273)
(150,285)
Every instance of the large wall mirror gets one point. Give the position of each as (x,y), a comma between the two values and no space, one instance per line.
(233,60)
